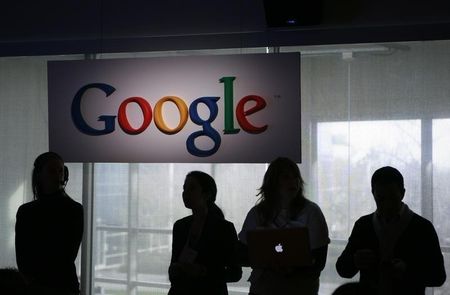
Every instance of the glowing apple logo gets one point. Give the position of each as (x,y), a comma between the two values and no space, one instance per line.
(279,248)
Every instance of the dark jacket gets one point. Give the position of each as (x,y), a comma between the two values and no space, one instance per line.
(418,246)
(217,252)
(48,236)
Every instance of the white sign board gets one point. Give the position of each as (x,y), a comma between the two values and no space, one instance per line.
(213,109)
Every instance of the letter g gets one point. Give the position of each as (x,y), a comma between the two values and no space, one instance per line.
(78,119)
(208,130)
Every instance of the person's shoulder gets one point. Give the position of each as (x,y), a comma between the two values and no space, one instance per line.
(309,209)
(254,215)
(26,207)
(72,202)
(311,206)
(419,221)
(417,218)
(254,211)
(365,220)
(217,220)
(227,224)
(220,225)
(28,211)
(251,222)
(183,221)
(363,226)
(312,210)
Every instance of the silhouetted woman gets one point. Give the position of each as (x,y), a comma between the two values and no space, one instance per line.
(204,244)
(283,205)
(49,230)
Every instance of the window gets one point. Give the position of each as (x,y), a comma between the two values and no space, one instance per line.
(387,107)
(441,190)
(441,177)
(347,155)
(136,206)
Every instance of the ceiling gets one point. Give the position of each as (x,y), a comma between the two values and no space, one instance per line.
(86,26)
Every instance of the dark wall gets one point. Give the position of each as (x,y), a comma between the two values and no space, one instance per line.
(83,26)
(35,20)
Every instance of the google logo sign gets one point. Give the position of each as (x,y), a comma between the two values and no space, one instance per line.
(242,111)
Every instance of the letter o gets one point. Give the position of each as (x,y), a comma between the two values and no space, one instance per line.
(123,119)
(182,109)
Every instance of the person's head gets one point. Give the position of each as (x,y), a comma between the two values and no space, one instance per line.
(388,190)
(48,174)
(200,191)
(281,180)
(353,288)
(282,183)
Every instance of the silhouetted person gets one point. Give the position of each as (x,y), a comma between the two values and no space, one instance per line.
(49,230)
(204,244)
(283,205)
(12,282)
(395,250)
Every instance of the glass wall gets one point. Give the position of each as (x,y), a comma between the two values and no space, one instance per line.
(363,106)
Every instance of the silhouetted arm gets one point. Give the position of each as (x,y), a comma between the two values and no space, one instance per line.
(345,265)
(22,242)
(77,230)
(233,270)
(318,233)
(223,263)
(243,256)
(173,271)
(320,258)
(250,223)
(430,269)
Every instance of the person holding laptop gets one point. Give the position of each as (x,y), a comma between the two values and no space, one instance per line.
(283,205)
(204,247)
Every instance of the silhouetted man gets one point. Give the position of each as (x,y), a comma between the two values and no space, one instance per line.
(395,250)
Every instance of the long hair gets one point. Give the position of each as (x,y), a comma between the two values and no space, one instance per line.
(39,164)
(209,187)
(268,204)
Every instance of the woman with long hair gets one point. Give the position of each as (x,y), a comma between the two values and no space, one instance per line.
(204,247)
(282,204)
(49,230)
